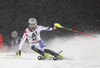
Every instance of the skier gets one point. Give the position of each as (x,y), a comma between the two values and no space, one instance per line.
(32,33)
(15,39)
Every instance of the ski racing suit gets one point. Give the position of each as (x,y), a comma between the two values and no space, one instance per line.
(36,43)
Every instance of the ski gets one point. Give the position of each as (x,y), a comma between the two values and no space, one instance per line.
(51,57)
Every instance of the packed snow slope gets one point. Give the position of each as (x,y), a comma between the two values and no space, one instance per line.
(81,52)
(77,47)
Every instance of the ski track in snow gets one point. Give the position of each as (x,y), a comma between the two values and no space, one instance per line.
(81,52)
(30,61)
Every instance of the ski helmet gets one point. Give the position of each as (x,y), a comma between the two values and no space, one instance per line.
(14,32)
(32,22)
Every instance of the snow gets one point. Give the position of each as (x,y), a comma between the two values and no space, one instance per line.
(81,52)
(30,61)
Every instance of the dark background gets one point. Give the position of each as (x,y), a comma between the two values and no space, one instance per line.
(80,15)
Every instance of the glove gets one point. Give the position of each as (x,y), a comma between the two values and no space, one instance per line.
(58,25)
(55,27)
(18,53)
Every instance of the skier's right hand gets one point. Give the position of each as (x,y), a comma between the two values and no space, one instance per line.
(18,53)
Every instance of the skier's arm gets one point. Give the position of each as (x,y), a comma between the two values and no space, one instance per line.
(48,28)
(22,41)
(18,53)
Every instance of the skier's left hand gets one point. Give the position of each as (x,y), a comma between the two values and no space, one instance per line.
(55,27)
(58,25)
(18,53)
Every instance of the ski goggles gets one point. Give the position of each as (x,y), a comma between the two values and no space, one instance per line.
(32,25)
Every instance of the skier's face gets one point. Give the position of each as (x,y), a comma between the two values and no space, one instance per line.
(32,25)
(32,28)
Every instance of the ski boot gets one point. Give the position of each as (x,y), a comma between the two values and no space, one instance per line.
(46,56)
(58,57)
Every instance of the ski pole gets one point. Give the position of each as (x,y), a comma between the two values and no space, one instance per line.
(12,55)
(59,26)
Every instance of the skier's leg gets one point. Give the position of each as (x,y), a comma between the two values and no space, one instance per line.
(57,55)
(44,48)
(51,52)
(40,51)
(37,50)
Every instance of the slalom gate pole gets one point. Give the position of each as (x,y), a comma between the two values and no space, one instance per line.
(1,43)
